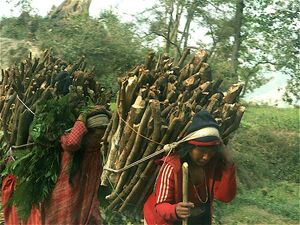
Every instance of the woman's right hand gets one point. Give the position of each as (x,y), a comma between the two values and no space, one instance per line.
(82,117)
(183,209)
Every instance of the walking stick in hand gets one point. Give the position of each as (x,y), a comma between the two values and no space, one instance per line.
(185,169)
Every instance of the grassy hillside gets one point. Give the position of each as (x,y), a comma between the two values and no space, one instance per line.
(266,150)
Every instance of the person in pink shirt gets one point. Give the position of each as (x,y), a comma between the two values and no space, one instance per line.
(211,175)
(74,198)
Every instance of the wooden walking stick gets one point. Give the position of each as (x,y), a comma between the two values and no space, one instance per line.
(185,169)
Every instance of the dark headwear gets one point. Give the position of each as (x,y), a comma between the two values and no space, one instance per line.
(206,127)
(63,81)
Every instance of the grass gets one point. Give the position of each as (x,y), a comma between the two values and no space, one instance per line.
(258,117)
(271,204)
(266,150)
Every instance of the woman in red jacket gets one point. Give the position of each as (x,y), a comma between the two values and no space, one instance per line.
(211,175)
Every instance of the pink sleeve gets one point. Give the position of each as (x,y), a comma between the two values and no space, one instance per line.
(72,141)
(164,194)
(225,183)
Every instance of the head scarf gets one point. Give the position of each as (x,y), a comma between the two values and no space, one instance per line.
(204,131)
(98,121)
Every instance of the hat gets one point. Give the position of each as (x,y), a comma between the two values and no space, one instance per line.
(205,129)
(97,121)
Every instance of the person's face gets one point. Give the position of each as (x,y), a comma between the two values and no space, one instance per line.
(94,138)
(201,155)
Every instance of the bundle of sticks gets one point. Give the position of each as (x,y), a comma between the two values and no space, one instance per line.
(155,105)
(34,80)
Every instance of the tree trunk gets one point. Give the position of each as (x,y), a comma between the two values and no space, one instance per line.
(169,28)
(237,36)
(174,33)
(71,7)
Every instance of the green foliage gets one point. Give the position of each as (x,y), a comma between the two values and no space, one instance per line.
(272,150)
(291,94)
(13,28)
(37,170)
(23,5)
(264,26)
(267,24)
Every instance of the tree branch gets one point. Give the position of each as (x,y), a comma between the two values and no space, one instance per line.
(171,42)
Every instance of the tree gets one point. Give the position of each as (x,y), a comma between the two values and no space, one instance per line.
(254,32)
(71,7)
(237,35)
(24,5)
(172,22)
(271,31)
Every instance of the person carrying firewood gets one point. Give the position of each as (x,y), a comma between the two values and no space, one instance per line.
(74,197)
(211,175)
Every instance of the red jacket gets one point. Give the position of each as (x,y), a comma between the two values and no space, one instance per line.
(10,213)
(160,206)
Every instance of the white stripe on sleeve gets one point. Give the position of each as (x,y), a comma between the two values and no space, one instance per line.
(164,186)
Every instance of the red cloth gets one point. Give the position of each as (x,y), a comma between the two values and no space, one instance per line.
(160,206)
(77,203)
(10,213)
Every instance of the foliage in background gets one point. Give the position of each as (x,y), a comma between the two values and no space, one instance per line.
(107,43)
(22,5)
(248,39)
(271,32)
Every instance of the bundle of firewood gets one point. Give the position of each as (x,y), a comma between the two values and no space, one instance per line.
(35,80)
(155,105)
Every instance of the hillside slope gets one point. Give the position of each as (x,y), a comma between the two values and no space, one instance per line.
(13,50)
(266,150)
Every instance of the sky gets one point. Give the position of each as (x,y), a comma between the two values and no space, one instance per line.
(270,93)
(125,7)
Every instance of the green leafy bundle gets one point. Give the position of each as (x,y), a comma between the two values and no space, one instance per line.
(38,169)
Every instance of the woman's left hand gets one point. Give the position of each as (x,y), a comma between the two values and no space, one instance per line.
(226,155)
